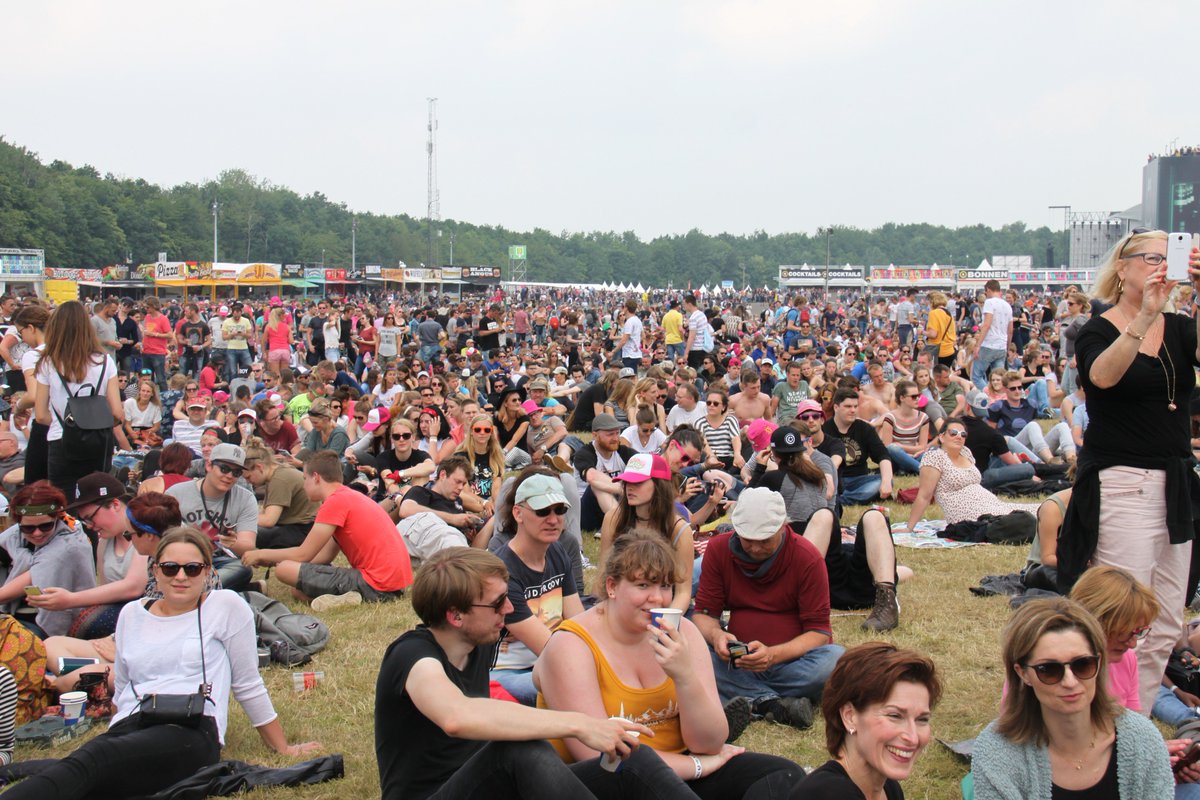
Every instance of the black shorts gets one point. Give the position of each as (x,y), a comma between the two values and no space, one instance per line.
(851,584)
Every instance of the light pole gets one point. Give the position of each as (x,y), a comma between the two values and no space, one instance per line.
(353,243)
(215,207)
(826,232)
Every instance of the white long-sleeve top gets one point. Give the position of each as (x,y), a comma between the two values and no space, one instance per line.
(162,654)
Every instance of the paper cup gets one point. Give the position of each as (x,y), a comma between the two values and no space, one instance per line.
(666,617)
(72,706)
(264,657)
(612,763)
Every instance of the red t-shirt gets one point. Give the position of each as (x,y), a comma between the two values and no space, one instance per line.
(284,439)
(369,539)
(367,333)
(154,345)
(791,598)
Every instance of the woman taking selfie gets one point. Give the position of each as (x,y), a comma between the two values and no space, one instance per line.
(612,660)
(189,641)
(1060,734)
(877,706)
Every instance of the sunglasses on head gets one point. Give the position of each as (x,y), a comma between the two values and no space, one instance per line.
(229,469)
(1052,672)
(44,527)
(401,437)
(558,508)
(191,569)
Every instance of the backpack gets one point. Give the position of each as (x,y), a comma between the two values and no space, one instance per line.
(292,638)
(88,420)
(1015,527)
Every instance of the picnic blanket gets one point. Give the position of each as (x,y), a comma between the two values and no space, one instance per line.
(927,536)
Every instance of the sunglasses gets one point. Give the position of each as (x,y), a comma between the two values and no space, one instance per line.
(1132,233)
(496,606)
(401,437)
(957,434)
(558,508)
(192,569)
(713,402)
(481,429)
(684,458)
(1137,633)
(360,417)
(810,416)
(229,470)
(1052,672)
(44,527)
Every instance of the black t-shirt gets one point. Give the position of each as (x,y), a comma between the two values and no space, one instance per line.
(861,442)
(317,326)
(387,460)
(533,594)
(983,441)
(193,332)
(585,410)
(489,334)
(506,433)
(416,756)
(830,782)
(832,446)
(424,496)
(1129,423)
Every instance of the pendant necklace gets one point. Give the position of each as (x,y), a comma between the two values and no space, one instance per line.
(1170,376)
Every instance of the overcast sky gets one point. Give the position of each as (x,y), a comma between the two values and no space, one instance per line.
(649,116)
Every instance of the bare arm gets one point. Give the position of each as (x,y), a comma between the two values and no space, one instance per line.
(925,490)
(307,551)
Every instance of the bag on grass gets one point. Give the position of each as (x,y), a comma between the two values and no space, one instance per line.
(1015,527)
(292,638)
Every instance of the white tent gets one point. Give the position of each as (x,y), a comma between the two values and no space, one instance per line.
(639,288)
(984,265)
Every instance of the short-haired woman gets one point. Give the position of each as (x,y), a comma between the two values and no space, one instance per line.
(877,706)
(1057,730)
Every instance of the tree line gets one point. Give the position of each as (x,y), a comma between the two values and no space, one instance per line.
(84,219)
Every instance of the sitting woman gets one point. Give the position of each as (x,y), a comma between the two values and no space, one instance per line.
(43,548)
(905,429)
(877,706)
(127,538)
(143,415)
(481,447)
(435,436)
(189,638)
(949,476)
(613,660)
(647,505)
(173,465)
(1058,735)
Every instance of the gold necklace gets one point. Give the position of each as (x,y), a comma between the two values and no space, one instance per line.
(1170,376)
(1079,762)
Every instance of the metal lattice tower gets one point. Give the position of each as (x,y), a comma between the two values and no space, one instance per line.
(433,212)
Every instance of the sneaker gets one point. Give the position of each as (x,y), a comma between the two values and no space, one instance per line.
(328,601)
(560,464)
(259,586)
(738,713)
(794,711)
(886,613)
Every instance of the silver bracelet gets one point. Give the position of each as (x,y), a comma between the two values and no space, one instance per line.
(699,769)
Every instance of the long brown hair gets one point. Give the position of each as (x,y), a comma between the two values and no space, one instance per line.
(71,342)
(801,468)
(663,515)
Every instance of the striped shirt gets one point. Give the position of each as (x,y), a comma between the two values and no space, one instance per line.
(721,438)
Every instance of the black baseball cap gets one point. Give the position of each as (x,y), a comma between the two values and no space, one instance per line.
(97,489)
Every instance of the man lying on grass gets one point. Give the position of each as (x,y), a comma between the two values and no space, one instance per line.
(349,522)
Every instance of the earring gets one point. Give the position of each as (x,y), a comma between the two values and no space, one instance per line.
(1120,285)
(850,731)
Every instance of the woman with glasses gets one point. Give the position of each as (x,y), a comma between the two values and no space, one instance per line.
(191,637)
(404,461)
(127,536)
(950,478)
(481,446)
(44,548)
(619,660)
(30,324)
(721,432)
(191,390)
(1133,501)
(74,363)
(645,435)
(1059,734)
(906,429)
(326,434)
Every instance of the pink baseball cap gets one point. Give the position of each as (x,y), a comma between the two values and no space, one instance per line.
(759,433)
(530,407)
(220,397)
(375,418)
(645,466)
(809,405)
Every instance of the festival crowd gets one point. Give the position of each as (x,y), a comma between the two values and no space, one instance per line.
(163,460)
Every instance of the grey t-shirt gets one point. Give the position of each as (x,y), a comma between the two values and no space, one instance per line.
(106,331)
(210,514)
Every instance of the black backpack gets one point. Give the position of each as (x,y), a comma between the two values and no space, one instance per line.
(88,421)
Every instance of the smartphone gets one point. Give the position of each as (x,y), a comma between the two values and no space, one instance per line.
(1189,757)
(1179,250)
(32,591)
(737,650)
(71,663)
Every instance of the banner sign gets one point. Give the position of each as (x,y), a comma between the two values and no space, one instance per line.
(21,262)
(451,273)
(293,271)
(982,274)
(516,252)
(390,274)
(422,275)
(258,272)
(170,271)
(335,276)
(314,274)
(1079,277)
(481,274)
(110,273)
(912,274)
(374,270)
(817,272)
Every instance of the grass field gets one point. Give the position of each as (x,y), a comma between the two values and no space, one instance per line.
(939,617)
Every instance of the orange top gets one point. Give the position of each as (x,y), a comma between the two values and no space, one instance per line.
(656,707)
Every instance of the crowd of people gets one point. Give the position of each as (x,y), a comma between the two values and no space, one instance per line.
(158,456)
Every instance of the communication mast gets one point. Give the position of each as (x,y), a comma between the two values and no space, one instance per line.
(433,211)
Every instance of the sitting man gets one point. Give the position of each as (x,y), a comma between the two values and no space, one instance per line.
(773,583)
(596,464)
(1015,418)
(856,483)
(348,522)
(188,431)
(541,586)
(287,511)
(997,464)
(438,734)
(226,512)
(433,518)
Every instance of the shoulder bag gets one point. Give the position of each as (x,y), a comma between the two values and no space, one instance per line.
(177,709)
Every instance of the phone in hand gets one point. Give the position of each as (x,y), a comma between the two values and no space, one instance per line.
(737,650)
(1179,251)
(32,591)
(1189,757)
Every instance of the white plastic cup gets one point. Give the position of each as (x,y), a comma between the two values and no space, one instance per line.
(666,617)
(72,706)
(612,763)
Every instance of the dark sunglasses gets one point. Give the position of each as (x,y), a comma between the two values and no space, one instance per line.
(360,417)
(496,606)
(558,508)
(811,415)
(481,429)
(191,569)
(229,470)
(401,437)
(44,527)
(684,458)
(1052,672)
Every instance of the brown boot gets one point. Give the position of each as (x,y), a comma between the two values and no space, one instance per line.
(886,613)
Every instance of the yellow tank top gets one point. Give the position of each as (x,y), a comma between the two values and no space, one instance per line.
(655,708)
